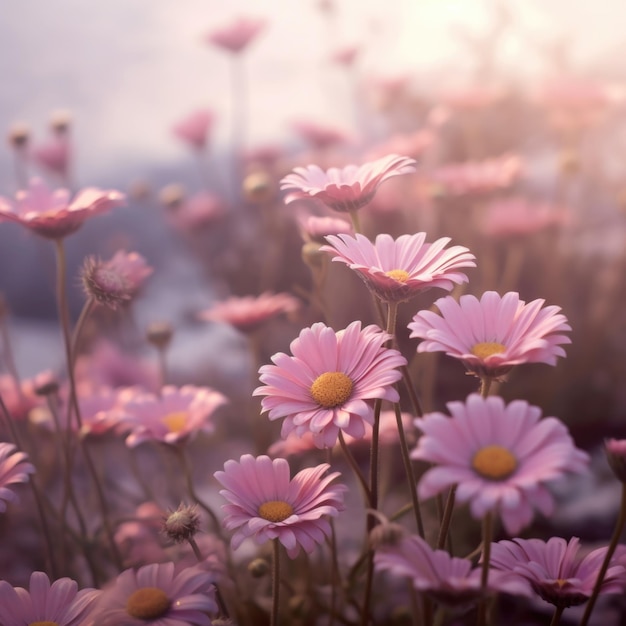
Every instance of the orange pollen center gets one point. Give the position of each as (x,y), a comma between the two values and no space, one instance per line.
(44,623)
(331,389)
(561,582)
(275,510)
(148,603)
(494,462)
(175,421)
(483,350)
(400,275)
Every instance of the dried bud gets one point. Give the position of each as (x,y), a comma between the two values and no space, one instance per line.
(116,281)
(159,334)
(18,135)
(60,122)
(172,196)
(46,384)
(386,534)
(258,568)
(182,524)
(258,187)
(616,456)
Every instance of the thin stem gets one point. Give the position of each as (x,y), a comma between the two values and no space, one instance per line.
(484,573)
(356,222)
(198,554)
(617,533)
(485,385)
(444,529)
(355,467)
(335,574)
(556,618)
(408,383)
(275,583)
(78,328)
(406,459)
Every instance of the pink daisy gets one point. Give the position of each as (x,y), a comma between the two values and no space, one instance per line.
(346,189)
(14,468)
(52,214)
(500,456)
(450,580)
(236,36)
(318,135)
(265,503)
(115,281)
(331,381)
(59,603)
(398,269)
(250,312)
(156,594)
(313,228)
(54,156)
(555,570)
(492,334)
(174,416)
(194,128)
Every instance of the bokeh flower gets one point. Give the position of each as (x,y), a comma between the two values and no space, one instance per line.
(556,571)
(493,334)
(346,189)
(315,229)
(236,36)
(116,281)
(156,594)
(449,580)
(194,128)
(54,156)
(14,468)
(398,269)
(174,416)
(500,456)
(52,214)
(331,381)
(248,313)
(265,503)
(59,603)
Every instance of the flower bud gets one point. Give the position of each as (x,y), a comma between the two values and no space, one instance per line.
(258,568)
(18,135)
(182,524)
(258,187)
(616,456)
(159,334)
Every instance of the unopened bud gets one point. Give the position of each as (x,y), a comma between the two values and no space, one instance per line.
(159,334)
(258,568)
(258,187)
(386,534)
(18,135)
(182,524)
(60,122)
(616,456)
(172,196)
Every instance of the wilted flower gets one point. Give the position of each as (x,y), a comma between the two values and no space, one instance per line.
(265,503)
(182,524)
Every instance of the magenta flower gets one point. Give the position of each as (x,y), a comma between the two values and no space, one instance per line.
(194,128)
(248,313)
(346,189)
(61,603)
(555,571)
(330,382)
(174,416)
(265,503)
(492,334)
(235,37)
(52,214)
(14,468)
(450,580)
(398,269)
(156,594)
(116,281)
(500,456)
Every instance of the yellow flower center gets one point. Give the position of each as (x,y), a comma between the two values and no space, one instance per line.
(561,582)
(400,275)
(487,348)
(148,603)
(275,510)
(44,623)
(175,421)
(331,389)
(494,462)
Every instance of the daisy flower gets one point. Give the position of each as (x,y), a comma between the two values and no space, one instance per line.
(493,334)
(449,580)
(250,312)
(397,269)
(331,381)
(59,603)
(14,468)
(500,456)
(236,36)
(174,416)
(555,570)
(265,503)
(156,594)
(52,214)
(346,189)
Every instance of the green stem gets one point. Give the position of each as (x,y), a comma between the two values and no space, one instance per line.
(355,467)
(408,383)
(484,574)
(356,222)
(275,583)
(617,533)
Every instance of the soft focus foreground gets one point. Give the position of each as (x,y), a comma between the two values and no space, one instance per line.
(366,377)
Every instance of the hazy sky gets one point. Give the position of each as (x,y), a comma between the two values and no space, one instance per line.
(128,69)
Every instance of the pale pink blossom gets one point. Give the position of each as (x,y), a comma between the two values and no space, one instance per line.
(194,128)
(493,334)
(318,135)
(346,189)
(346,55)
(265,503)
(237,35)
(52,214)
(398,269)
(19,398)
(14,469)
(314,228)
(54,156)
(196,211)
